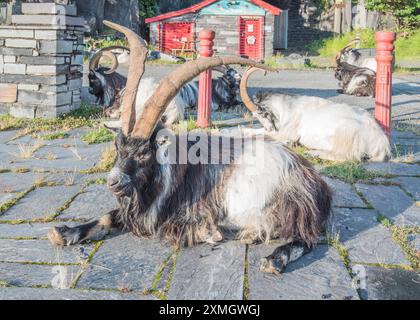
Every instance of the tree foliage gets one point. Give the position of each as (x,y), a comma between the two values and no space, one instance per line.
(147,8)
(406,12)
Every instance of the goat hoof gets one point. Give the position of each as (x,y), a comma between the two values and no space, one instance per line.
(56,238)
(270,265)
(63,236)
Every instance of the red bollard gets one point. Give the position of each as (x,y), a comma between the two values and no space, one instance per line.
(383,100)
(204,88)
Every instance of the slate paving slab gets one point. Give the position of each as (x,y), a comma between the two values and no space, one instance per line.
(6,197)
(318,275)
(344,195)
(350,223)
(414,240)
(365,239)
(205,272)
(409,217)
(390,201)
(41,251)
(67,294)
(125,262)
(69,164)
(390,284)
(375,245)
(40,203)
(27,275)
(17,182)
(410,184)
(398,169)
(8,154)
(25,230)
(95,201)
(5,136)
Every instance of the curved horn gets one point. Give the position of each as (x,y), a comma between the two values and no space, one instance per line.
(172,83)
(243,89)
(138,57)
(339,54)
(94,61)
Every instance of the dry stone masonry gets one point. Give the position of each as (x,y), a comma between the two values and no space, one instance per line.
(41,61)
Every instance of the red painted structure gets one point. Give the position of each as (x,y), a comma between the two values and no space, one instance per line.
(383,100)
(251,37)
(204,89)
(177,35)
(197,7)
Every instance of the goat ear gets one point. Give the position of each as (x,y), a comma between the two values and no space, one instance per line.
(113,126)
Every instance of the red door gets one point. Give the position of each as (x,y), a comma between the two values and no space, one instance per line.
(250,37)
(177,35)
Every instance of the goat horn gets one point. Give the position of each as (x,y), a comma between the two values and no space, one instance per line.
(138,50)
(94,61)
(172,83)
(338,56)
(243,88)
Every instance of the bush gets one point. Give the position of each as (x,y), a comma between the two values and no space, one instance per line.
(405,47)
(406,12)
(329,47)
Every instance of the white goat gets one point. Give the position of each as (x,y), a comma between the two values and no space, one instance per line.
(336,131)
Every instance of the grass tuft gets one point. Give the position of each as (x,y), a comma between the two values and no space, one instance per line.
(55,136)
(350,172)
(99,135)
(106,161)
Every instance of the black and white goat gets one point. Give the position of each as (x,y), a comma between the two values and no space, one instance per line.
(335,131)
(104,83)
(108,86)
(267,194)
(354,80)
(354,57)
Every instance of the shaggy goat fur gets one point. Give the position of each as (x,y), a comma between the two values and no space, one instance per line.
(354,57)
(109,88)
(273,193)
(181,188)
(355,80)
(336,131)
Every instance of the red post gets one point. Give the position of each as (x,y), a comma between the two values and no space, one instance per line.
(384,56)
(204,88)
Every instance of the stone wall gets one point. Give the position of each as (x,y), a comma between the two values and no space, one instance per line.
(41,61)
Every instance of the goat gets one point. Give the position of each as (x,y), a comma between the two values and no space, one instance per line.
(354,57)
(225,90)
(186,201)
(105,84)
(336,131)
(354,80)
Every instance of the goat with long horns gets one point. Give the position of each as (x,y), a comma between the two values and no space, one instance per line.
(334,131)
(273,193)
(108,86)
(354,80)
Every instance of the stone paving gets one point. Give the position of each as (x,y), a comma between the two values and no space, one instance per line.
(373,251)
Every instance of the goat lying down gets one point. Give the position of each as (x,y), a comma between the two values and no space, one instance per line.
(278,195)
(109,85)
(354,80)
(354,57)
(336,131)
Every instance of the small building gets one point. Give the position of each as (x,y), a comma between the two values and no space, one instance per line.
(248,28)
